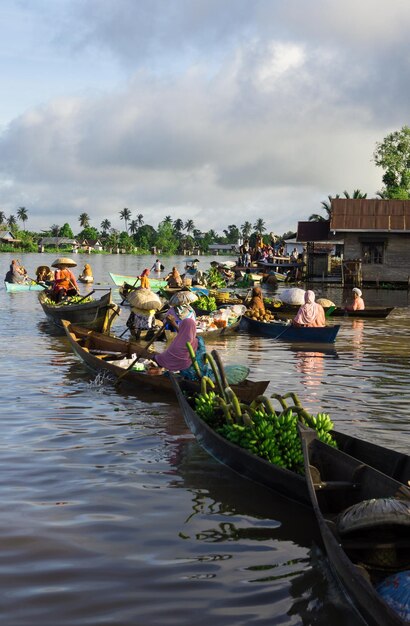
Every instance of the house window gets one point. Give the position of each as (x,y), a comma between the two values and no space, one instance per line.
(373,252)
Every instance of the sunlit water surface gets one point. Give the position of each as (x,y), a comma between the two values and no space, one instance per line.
(110,512)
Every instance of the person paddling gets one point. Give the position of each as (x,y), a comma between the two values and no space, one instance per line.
(64,283)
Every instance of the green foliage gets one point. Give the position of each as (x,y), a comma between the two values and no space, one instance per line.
(206,303)
(166,239)
(393,155)
(89,232)
(65,231)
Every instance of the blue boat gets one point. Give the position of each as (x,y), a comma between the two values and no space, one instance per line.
(29,286)
(286,332)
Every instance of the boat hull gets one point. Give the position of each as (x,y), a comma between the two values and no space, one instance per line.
(96,315)
(17,287)
(284,332)
(247,390)
(120,279)
(355,483)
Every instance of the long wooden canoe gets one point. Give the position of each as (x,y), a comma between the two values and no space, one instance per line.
(17,287)
(373,311)
(284,481)
(99,352)
(363,517)
(154,283)
(286,332)
(97,314)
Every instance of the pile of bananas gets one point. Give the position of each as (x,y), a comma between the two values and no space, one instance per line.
(258,427)
(206,303)
(70,300)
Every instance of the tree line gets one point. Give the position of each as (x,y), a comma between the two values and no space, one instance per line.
(392,155)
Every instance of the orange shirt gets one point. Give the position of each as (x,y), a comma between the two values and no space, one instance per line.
(64,279)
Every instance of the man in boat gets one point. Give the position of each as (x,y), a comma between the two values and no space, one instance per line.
(16,273)
(310,314)
(44,274)
(358,302)
(256,304)
(64,283)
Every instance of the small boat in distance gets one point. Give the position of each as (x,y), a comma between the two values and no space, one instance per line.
(28,286)
(134,281)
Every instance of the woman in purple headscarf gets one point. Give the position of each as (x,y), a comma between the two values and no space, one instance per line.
(176,357)
(311,313)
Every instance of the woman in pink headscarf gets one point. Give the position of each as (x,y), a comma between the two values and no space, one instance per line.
(311,313)
(176,357)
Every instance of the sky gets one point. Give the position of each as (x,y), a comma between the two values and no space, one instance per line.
(218,111)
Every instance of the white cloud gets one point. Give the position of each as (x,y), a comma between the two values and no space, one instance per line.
(229,111)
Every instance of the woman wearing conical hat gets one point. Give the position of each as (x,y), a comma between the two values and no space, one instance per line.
(64,283)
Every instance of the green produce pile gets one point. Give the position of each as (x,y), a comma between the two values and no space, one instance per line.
(206,303)
(70,300)
(214,279)
(258,427)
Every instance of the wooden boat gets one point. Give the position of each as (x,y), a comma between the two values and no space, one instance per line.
(97,314)
(95,348)
(214,333)
(286,332)
(170,291)
(17,287)
(133,281)
(284,481)
(87,280)
(363,517)
(373,311)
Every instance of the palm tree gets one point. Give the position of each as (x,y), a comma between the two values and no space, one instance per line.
(189,226)
(54,230)
(167,220)
(140,219)
(84,220)
(246,230)
(260,226)
(178,225)
(125,215)
(357,194)
(105,226)
(2,217)
(12,221)
(134,226)
(22,215)
(327,206)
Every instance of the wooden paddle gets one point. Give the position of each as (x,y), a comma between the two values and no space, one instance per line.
(151,341)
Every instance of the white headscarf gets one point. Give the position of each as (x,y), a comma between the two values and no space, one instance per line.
(357,291)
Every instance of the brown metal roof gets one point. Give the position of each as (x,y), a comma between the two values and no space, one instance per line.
(313,231)
(363,214)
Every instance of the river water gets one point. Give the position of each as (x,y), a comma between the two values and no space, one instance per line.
(112,514)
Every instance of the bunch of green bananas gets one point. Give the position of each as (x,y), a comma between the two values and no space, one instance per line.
(322,424)
(70,300)
(206,303)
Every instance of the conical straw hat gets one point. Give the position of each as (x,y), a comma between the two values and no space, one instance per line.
(144,299)
(63,260)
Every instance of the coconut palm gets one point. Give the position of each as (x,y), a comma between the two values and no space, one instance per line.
(260,226)
(140,219)
(246,230)
(357,194)
(134,226)
(167,220)
(84,220)
(22,215)
(2,217)
(189,226)
(327,206)
(178,225)
(12,222)
(54,230)
(105,226)
(125,215)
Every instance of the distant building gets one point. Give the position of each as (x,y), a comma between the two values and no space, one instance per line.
(56,242)
(6,236)
(376,233)
(218,248)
